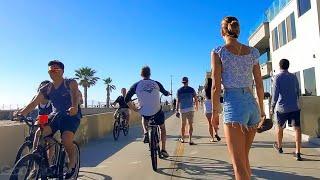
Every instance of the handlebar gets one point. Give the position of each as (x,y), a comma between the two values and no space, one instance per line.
(28,120)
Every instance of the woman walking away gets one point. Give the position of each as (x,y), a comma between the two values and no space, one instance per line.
(233,65)
(214,124)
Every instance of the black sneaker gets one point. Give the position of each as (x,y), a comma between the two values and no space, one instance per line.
(218,137)
(146,138)
(164,154)
(298,156)
(70,173)
(279,150)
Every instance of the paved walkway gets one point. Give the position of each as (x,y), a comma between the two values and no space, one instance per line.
(129,158)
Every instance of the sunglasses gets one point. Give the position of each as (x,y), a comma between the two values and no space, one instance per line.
(54,69)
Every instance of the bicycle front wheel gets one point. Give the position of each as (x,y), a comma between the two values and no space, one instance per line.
(28,167)
(116,130)
(24,149)
(125,127)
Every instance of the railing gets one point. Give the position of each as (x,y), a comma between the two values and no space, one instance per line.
(270,13)
(264,58)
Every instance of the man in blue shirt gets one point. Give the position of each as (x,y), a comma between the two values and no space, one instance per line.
(285,99)
(186,97)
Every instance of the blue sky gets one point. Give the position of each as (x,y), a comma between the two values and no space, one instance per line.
(116,38)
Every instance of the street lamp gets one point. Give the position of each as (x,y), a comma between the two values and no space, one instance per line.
(171,86)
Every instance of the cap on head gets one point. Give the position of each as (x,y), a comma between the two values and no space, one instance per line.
(57,63)
(185,80)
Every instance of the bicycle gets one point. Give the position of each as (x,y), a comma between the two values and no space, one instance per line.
(154,140)
(120,123)
(26,146)
(38,161)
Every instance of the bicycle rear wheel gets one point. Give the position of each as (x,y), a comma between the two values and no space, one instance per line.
(153,148)
(24,149)
(116,130)
(28,167)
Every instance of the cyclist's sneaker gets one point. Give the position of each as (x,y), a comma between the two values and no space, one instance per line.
(298,156)
(164,154)
(146,138)
(70,173)
(279,150)
(218,137)
(191,143)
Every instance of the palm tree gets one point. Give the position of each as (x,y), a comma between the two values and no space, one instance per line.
(86,78)
(109,89)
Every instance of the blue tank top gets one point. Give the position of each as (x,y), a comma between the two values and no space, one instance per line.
(60,97)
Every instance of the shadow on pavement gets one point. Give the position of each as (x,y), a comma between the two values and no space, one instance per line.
(269,144)
(93,175)
(95,152)
(198,167)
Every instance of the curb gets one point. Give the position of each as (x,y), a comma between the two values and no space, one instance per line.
(304,138)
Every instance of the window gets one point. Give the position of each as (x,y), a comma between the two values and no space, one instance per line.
(291,27)
(309,82)
(282,33)
(303,6)
(275,40)
(267,85)
(299,80)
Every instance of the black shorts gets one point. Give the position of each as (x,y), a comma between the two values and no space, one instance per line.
(293,119)
(158,118)
(64,122)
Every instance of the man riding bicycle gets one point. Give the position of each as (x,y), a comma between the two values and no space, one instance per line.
(123,107)
(148,93)
(64,95)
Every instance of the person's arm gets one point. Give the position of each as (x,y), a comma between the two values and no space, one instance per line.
(115,102)
(275,94)
(216,83)
(127,99)
(73,110)
(297,87)
(177,102)
(80,98)
(195,97)
(259,87)
(162,90)
(35,101)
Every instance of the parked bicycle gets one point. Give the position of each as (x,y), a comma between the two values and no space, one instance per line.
(36,165)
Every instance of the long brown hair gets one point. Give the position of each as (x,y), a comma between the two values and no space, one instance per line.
(230,27)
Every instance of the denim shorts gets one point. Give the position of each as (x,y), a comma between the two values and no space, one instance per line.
(240,107)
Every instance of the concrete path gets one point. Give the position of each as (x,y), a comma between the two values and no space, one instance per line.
(129,159)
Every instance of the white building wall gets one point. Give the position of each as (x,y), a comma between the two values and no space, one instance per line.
(304,51)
